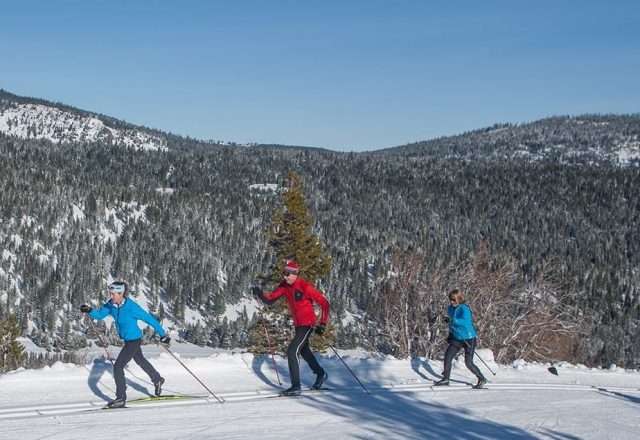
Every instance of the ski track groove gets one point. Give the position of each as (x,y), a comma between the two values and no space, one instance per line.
(52,410)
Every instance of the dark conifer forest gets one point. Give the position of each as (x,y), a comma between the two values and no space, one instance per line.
(512,210)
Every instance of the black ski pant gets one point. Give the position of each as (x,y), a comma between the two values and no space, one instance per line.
(131,350)
(454,347)
(300,346)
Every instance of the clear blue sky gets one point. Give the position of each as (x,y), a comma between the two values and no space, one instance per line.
(344,75)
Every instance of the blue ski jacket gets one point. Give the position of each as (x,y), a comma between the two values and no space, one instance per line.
(461,326)
(126,317)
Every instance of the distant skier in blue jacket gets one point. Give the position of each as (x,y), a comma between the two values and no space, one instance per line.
(126,313)
(462,334)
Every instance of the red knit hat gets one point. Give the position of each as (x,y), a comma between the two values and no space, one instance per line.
(291,267)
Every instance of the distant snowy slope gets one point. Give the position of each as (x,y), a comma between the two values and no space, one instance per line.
(586,139)
(37,121)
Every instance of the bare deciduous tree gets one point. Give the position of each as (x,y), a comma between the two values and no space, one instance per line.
(520,319)
(408,309)
(515,318)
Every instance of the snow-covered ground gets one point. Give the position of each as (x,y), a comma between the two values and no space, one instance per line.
(522,400)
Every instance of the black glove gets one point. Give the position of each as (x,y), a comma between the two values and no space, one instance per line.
(450,339)
(320,329)
(85,308)
(256,291)
(446,319)
(166,340)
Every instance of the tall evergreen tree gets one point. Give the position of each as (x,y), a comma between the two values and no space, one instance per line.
(290,236)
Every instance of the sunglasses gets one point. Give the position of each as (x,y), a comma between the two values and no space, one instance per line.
(286,274)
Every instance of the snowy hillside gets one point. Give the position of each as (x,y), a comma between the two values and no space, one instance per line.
(36,121)
(522,401)
(587,140)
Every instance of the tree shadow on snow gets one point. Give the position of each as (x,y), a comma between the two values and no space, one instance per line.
(406,414)
(387,413)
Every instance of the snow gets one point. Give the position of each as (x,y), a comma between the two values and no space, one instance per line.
(132,212)
(17,240)
(233,311)
(264,187)
(56,125)
(629,153)
(522,401)
(76,212)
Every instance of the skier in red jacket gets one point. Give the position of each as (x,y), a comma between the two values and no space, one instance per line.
(300,294)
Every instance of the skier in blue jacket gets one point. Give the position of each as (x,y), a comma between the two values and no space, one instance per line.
(462,334)
(126,313)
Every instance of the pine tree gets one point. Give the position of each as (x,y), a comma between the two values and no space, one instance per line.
(290,236)
(11,351)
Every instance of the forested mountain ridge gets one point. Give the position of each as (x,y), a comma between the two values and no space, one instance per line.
(585,139)
(184,225)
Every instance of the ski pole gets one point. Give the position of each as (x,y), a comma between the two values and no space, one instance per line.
(190,372)
(481,360)
(345,364)
(266,332)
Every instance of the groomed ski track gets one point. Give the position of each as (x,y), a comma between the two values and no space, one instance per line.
(240,397)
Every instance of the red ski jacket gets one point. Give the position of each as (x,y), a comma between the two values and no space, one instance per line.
(301,295)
